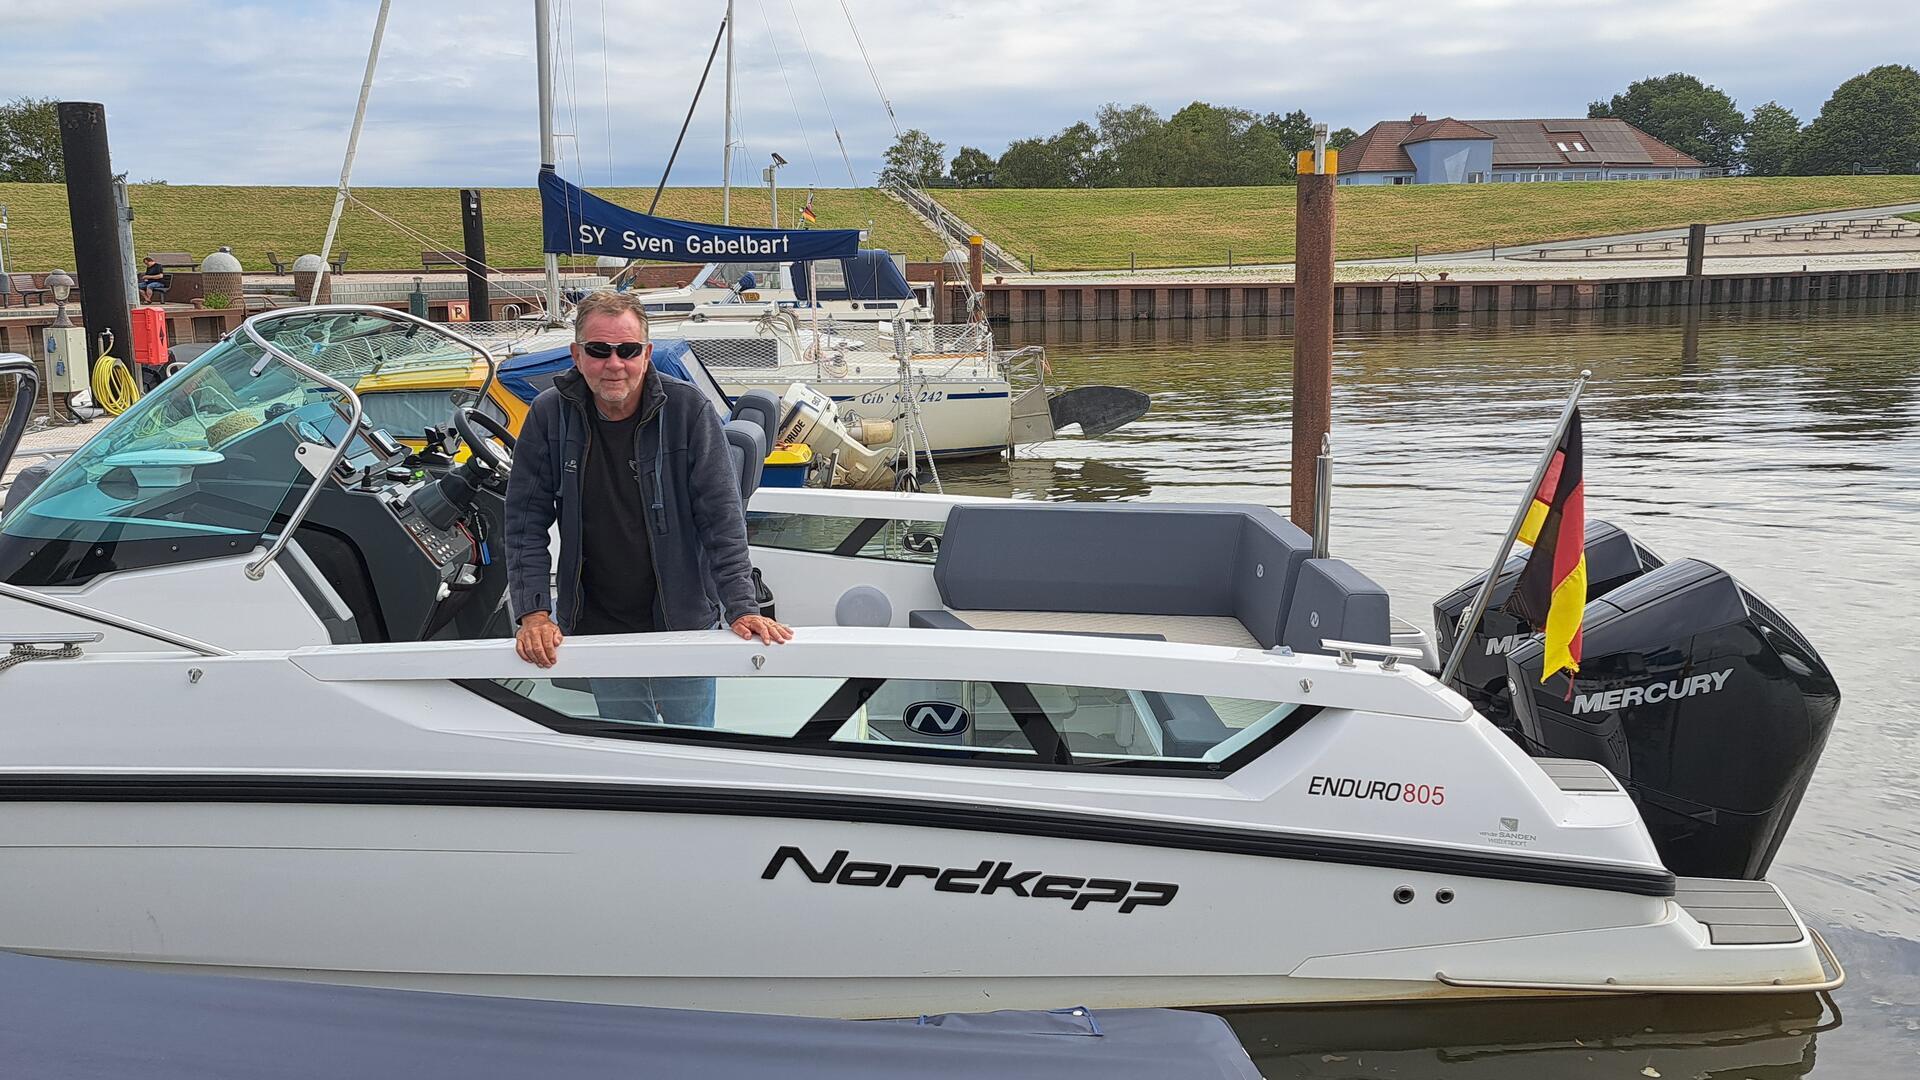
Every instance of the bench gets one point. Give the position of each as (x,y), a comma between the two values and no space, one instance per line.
(175,260)
(431,259)
(273,260)
(158,288)
(1195,570)
(25,286)
(339,263)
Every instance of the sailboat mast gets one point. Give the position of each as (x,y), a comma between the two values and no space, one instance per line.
(353,146)
(726,151)
(543,67)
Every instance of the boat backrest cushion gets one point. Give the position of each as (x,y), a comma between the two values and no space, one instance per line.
(1332,600)
(747,451)
(760,406)
(1136,559)
(1266,567)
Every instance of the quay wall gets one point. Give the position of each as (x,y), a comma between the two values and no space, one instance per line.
(1101,300)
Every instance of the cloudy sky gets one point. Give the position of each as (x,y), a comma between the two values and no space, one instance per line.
(254,92)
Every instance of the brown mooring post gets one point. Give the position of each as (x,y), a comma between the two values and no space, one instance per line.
(977,276)
(94,217)
(1312,322)
(1696,263)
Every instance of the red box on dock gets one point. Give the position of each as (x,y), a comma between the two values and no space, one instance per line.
(150,336)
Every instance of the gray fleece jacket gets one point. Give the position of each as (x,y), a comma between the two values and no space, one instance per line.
(690,491)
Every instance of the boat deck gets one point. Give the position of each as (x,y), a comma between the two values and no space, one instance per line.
(1739,912)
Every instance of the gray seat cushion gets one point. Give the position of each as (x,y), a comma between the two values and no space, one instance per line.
(747,451)
(1335,601)
(761,407)
(1136,558)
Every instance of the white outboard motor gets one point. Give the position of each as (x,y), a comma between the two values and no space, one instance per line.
(811,418)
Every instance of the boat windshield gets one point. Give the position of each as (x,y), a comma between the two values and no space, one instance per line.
(209,455)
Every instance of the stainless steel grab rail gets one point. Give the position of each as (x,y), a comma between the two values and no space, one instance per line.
(26,391)
(1827,960)
(105,618)
(258,568)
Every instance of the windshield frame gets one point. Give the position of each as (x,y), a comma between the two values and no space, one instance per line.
(356,421)
(189,507)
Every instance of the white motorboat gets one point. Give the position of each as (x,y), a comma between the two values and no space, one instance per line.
(257,722)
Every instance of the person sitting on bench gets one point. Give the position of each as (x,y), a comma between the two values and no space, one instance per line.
(153,280)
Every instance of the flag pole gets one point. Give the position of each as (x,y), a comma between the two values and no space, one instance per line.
(1471,619)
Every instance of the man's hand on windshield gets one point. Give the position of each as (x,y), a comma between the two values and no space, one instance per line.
(538,641)
(759,626)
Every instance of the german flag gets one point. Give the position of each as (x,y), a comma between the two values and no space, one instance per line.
(806,212)
(1552,592)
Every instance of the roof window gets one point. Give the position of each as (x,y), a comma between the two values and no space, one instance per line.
(1578,146)
(1562,146)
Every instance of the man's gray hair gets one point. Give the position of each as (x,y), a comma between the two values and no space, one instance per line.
(607,302)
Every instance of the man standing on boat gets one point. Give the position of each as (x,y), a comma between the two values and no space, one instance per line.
(634,467)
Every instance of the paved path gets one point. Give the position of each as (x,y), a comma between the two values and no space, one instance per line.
(1485,264)
(1721,228)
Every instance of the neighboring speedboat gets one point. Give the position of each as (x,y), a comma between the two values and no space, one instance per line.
(259,721)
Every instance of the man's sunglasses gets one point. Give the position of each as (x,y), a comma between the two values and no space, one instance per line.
(600,350)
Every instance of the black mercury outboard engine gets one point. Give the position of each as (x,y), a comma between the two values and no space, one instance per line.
(1613,559)
(1702,699)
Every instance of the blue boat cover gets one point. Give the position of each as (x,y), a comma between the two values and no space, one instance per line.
(870,273)
(577,222)
(64,1020)
(529,373)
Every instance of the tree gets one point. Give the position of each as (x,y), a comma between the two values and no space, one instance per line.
(913,159)
(1201,144)
(1872,120)
(972,168)
(1341,138)
(1130,140)
(1294,129)
(1773,141)
(1682,112)
(1077,150)
(1029,163)
(30,142)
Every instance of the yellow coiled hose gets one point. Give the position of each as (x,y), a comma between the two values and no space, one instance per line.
(114,387)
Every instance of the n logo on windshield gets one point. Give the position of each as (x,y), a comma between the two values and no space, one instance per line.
(936,718)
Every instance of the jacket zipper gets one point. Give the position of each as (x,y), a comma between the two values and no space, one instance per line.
(580,564)
(653,556)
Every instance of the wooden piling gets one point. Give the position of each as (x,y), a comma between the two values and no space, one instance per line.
(977,274)
(1312,327)
(1696,262)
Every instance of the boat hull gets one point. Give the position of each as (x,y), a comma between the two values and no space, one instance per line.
(384,884)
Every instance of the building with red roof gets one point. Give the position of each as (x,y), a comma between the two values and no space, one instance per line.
(1448,151)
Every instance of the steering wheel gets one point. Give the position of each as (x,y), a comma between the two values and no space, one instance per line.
(497,457)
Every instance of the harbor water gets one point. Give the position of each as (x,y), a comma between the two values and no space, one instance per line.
(1782,444)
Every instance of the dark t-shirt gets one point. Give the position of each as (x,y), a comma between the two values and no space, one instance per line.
(617,586)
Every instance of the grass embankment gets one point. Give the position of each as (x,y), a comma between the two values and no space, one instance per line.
(1100,228)
(292,220)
